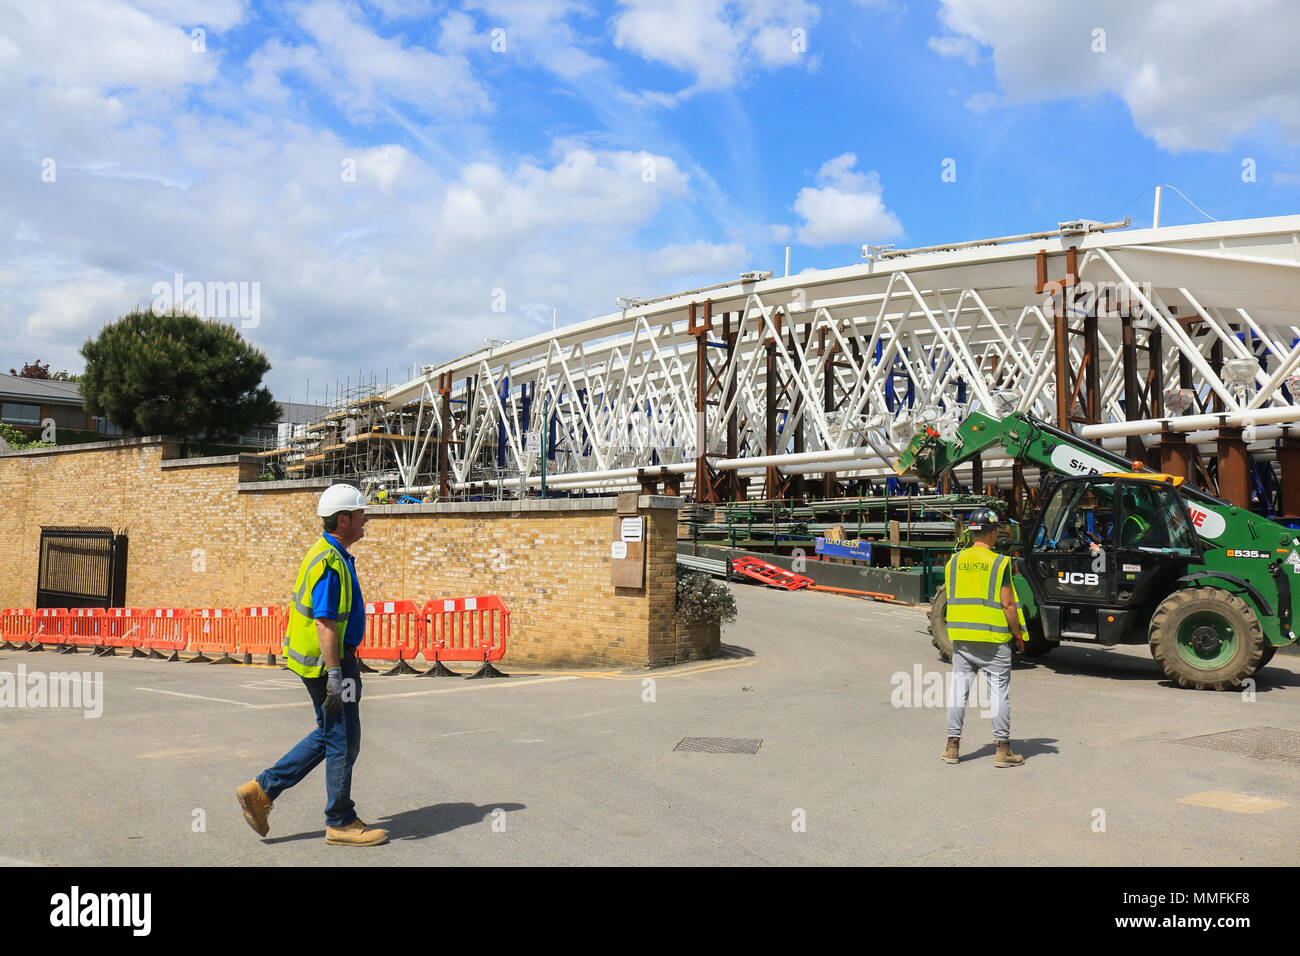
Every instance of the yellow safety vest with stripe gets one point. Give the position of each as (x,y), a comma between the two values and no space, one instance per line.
(301,642)
(974,578)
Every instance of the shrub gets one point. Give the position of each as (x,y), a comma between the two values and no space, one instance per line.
(702,600)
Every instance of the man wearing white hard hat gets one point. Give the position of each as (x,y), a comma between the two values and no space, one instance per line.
(327,620)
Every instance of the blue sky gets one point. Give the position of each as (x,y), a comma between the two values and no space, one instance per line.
(511,157)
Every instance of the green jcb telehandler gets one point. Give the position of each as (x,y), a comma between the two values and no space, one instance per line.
(1115,556)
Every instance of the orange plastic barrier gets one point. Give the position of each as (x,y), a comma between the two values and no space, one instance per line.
(213,629)
(394,631)
(15,622)
(83,627)
(165,627)
(261,631)
(49,626)
(467,629)
(770,574)
(124,627)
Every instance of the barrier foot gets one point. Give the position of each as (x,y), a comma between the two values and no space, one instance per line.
(136,652)
(199,660)
(365,668)
(270,660)
(401,668)
(248,659)
(10,646)
(36,646)
(439,669)
(68,649)
(227,659)
(153,655)
(176,656)
(108,652)
(487,670)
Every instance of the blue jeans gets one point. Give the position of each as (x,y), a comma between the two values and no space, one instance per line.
(336,740)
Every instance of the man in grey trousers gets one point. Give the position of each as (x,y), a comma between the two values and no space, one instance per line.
(983,617)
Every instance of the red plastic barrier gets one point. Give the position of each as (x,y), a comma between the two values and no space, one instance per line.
(394,631)
(466,629)
(83,627)
(770,574)
(166,628)
(214,629)
(49,626)
(261,631)
(15,622)
(124,627)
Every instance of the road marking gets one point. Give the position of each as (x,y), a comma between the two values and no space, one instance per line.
(176,693)
(483,685)
(1233,802)
(658,674)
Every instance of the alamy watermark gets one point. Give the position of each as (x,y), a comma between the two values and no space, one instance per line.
(939,689)
(80,691)
(215,300)
(75,908)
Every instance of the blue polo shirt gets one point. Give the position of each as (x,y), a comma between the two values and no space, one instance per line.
(325,596)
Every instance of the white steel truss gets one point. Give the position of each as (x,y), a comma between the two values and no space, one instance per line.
(833,371)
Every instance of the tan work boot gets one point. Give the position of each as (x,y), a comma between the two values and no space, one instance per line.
(950,754)
(355,833)
(1004,757)
(256,805)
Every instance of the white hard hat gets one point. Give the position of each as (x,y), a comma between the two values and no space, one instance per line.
(340,498)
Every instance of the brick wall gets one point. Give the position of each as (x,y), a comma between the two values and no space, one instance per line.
(203,533)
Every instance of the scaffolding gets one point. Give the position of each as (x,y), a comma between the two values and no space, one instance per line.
(356,437)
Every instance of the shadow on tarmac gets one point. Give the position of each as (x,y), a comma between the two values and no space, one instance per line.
(1090,662)
(418,824)
(1027,747)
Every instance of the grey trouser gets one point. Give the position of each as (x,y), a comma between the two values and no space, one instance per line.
(994,660)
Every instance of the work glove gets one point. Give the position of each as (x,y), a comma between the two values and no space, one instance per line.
(1020,644)
(333,690)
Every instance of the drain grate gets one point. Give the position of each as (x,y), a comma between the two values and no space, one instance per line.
(1262,743)
(720,745)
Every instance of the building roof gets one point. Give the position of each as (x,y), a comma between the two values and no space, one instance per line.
(40,389)
(16,388)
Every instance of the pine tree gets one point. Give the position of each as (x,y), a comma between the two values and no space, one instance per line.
(176,374)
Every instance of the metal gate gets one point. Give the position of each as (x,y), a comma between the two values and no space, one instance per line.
(81,567)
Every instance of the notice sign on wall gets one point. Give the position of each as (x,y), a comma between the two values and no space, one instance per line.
(627,552)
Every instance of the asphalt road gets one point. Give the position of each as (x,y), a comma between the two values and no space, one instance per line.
(580,768)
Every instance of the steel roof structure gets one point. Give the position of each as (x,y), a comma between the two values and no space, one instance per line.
(1125,335)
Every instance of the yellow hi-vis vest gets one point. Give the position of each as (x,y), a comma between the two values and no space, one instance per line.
(974,578)
(302,653)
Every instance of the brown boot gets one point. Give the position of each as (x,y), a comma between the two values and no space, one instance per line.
(355,833)
(950,754)
(256,805)
(1004,757)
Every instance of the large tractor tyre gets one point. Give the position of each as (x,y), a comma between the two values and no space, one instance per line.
(939,625)
(1035,644)
(1206,638)
(1269,651)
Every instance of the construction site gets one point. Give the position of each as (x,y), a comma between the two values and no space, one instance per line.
(1175,346)
(778,405)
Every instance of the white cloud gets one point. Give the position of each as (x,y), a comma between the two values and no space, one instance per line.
(1195,74)
(362,70)
(700,258)
(983,102)
(845,206)
(713,40)
(399,265)
(537,31)
(963,47)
